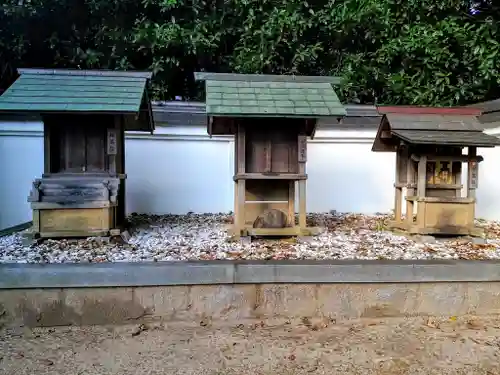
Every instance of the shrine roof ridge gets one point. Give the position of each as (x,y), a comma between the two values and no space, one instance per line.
(207,76)
(423,110)
(92,73)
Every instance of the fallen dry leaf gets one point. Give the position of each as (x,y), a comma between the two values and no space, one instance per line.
(305,321)
(432,323)
(474,324)
(476,341)
(139,329)
(47,362)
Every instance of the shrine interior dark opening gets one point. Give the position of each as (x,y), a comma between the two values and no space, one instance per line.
(78,144)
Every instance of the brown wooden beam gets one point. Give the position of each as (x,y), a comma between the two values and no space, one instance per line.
(460,158)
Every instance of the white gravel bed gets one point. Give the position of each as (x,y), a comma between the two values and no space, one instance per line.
(204,237)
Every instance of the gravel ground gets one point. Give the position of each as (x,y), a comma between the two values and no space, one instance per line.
(443,346)
(204,237)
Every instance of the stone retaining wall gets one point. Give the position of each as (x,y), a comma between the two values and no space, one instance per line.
(228,292)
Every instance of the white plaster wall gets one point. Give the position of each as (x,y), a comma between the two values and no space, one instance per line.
(181,169)
(21,161)
(345,175)
(488,199)
(176,175)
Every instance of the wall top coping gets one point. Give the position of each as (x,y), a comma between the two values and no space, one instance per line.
(21,276)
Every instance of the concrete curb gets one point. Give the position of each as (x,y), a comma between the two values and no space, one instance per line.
(30,276)
(15,228)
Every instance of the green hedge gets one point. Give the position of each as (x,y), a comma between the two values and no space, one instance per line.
(424,52)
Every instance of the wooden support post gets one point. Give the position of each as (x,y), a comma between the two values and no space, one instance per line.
(46,149)
(422,176)
(398,194)
(302,158)
(235,156)
(421,186)
(398,204)
(115,151)
(291,203)
(410,178)
(240,149)
(240,191)
(472,174)
(36,221)
(235,213)
(302,204)
(112,146)
(123,171)
(457,169)
(240,206)
(268,154)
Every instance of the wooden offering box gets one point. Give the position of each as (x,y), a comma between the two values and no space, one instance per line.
(85,115)
(428,143)
(271,117)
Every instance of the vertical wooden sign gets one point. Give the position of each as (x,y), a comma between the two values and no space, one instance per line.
(473,173)
(267,156)
(302,149)
(112,142)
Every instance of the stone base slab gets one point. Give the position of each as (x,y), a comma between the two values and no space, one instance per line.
(237,302)
(228,291)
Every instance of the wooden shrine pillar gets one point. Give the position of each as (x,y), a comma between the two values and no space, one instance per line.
(411,172)
(410,190)
(302,158)
(291,203)
(400,182)
(240,191)
(457,172)
(46,149)
(421,188)
(120,168)
(421,176)
(472,176)
(472,173)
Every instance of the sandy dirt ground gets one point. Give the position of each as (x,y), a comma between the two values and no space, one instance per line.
(386,346)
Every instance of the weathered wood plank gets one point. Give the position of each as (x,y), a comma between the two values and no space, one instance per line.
(460,158)
(398,193)
(441,199)
(240,138)
(270,176)
(472,174)
(421,176)
(302,203)
(302,144)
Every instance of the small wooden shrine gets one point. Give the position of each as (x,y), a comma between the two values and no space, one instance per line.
(85,116)
(271,117)
(429,144)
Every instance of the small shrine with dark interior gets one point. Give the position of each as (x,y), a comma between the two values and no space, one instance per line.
(271,117)
(429,145)
(85,115)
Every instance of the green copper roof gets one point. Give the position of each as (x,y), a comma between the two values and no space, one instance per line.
(270,96)
(86,91)
(39,90)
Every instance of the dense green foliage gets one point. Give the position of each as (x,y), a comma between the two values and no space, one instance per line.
(389,51)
